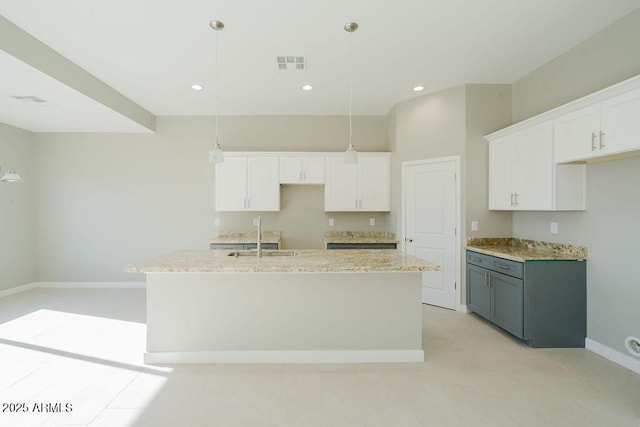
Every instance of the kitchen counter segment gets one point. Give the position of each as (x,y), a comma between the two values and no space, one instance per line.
(523,250)
(303,261)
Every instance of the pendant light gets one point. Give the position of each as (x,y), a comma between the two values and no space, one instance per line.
(215,154)
(10,176)
(350,156)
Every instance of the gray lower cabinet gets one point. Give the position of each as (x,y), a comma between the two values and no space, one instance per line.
(241,246)
(362,245)
(543,303)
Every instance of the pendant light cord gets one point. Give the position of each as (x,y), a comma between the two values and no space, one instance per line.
(350,89)
(216,89)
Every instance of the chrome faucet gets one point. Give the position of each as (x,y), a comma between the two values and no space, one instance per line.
(259,246)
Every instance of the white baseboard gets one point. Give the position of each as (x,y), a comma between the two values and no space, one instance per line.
(462,308)
(615,356)
(72,285)
(334,356)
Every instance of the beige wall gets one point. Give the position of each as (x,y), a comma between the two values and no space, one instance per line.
(609,227)
(17,260)
(451,123)
(106,200)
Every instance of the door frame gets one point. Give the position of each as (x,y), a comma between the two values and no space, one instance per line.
(458,220)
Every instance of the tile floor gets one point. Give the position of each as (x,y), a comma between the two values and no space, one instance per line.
(84,348)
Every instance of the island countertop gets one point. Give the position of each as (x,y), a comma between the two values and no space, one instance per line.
(306,260)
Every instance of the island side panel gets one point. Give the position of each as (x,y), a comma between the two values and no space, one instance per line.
(205,312)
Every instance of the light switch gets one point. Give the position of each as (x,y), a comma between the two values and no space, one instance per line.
(330,222)
(474,225)
(372,221)
(216,222)
(554,228)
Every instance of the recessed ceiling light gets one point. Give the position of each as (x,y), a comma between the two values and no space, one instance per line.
(196,87)
(307,87)
(418,88)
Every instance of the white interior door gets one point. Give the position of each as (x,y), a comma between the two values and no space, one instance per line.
(430,220)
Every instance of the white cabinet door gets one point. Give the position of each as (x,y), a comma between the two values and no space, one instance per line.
(313,170)
(301,170)
(290,170)
(231,184)
(263,189)
(358,187)
(576,134)
(534,168)
(373,184)
(523,175)
(620,124)
(501,186)
(341,186)
(246,183)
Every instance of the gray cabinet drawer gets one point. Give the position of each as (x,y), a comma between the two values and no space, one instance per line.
(501,265)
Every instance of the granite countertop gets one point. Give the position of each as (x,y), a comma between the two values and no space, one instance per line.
(359,237)
(526,250)
(231,237)
(307,260)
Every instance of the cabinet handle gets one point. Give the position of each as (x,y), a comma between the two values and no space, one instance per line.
(304,175)
(511,204)
(475,259)
(248,203)
(601,140)
(517,201)
(593,141)
(501,266)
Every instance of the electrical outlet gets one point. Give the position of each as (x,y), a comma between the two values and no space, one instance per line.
(474,225)
(216,222)
(554,228)
(372,221)
(255,221)
(331,222)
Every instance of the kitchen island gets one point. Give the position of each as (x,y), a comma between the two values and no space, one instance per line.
(303,306)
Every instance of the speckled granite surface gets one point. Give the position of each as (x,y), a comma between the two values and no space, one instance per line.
(359,237)
(231,237)
(308,260)
(526,250)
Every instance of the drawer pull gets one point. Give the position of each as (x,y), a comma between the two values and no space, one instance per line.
(503,267)
(475,259)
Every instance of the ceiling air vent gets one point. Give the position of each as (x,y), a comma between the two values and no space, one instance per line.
(291,62)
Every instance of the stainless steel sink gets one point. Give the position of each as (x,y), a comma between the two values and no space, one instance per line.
(264,253)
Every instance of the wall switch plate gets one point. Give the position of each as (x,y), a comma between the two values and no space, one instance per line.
(330,222)
(216,222)
(554,228)
(372,221)
(474,225)
(255,221)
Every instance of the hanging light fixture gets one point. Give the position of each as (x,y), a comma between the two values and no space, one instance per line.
(350,156)
(10,176)
(215,154)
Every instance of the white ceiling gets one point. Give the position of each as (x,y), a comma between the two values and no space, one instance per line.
(153,51)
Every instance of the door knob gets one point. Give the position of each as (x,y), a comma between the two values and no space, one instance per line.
(408,240)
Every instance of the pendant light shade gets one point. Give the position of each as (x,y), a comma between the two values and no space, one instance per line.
(215,154)
(351,155)
(10,176)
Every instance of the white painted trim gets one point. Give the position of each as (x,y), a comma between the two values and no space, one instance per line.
(73,285)
(585,101)
(458,198)
(333,356)
(16,290)
(615,356)
(462,308)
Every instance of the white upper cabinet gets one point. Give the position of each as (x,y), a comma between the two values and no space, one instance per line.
(606,128)
(247,183)
(301,170)
(523,175)
(358,187)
